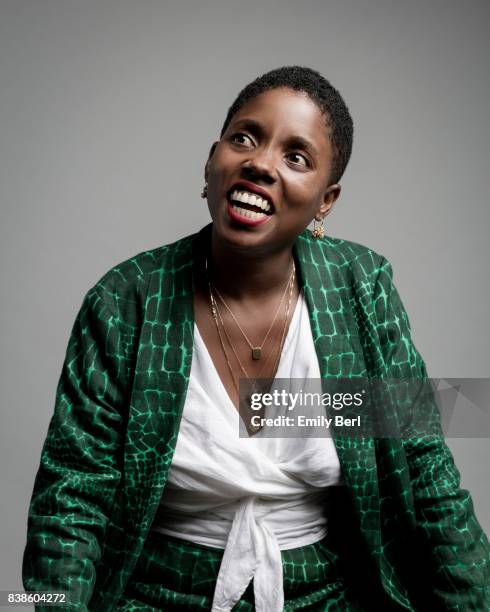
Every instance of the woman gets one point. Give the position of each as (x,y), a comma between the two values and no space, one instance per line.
(146,497)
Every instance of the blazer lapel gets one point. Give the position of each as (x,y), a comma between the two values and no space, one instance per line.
(160,384)
(323,284)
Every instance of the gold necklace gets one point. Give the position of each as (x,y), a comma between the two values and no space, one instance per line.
(256,351)
(215,310)
(251,429)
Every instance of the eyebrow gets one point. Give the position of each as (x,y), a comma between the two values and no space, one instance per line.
(295,141)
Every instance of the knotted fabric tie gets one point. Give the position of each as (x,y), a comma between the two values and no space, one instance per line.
(251,551)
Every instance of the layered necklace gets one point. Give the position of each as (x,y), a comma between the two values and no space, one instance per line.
(256,350)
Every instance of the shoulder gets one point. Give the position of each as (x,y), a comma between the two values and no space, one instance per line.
(343,260)
(125,285)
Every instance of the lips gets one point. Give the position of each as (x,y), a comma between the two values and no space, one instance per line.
(241,216)
(252,188)
(248,204)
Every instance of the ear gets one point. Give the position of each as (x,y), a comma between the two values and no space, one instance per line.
(329,198)
(211,153)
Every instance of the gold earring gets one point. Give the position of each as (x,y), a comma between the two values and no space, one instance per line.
(318,230)
(204,192)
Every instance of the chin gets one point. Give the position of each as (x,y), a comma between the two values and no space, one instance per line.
(238,238)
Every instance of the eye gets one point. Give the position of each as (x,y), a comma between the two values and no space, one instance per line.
(242,139)
(299,160)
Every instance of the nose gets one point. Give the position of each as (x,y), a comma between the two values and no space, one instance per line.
(261,163)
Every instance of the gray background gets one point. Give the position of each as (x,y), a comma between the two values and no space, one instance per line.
(107,112)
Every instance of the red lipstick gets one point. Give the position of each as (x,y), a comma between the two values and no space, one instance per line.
(246,220)
(244,185)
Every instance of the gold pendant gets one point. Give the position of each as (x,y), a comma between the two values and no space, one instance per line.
(256,353)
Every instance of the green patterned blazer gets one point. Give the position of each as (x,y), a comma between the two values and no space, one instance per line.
(120,398)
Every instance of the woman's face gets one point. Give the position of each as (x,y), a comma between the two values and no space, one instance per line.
(276,147)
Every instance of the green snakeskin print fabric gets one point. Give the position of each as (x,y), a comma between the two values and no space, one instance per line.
(175,575)
(120,397)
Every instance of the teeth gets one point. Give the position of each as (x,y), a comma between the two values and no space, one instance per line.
(250,198)
(257,215)
(250,214)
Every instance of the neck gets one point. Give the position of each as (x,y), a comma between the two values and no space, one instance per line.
(242,274)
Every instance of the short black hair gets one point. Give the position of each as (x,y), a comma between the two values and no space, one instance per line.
(325,96)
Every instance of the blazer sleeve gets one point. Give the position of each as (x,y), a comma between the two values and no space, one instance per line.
(80,461)
(451,538)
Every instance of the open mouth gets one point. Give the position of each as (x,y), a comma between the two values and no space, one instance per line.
(248,204)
